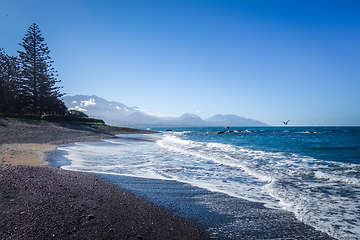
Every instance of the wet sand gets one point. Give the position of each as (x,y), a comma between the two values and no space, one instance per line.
(24,154)
(46,202)
(222,216)
(25,142)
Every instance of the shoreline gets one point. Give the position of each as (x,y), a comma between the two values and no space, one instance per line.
(13,131)
(220,215)
(27,142)
(47,202)
(33,195)
(38,201)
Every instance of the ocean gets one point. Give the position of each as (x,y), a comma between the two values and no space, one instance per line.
(313,172)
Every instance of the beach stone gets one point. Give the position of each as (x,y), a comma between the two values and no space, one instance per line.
(58,213)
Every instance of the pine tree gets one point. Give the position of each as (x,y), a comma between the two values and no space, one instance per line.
(9,83)
(39,91)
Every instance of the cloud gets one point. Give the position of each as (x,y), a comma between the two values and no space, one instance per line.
(73,102)
(90,102)
(78,108)
(117,107)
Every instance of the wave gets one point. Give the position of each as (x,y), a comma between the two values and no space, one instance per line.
(323,194)
(297,183)
(333,178)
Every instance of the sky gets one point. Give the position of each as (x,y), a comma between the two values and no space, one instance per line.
(266,60)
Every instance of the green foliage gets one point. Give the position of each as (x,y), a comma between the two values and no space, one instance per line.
(28,82)
(76,113)
(16,116)
(53,118)
(72,119)
(28,88)
(9,83)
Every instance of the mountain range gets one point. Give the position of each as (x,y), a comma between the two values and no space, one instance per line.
(118,114)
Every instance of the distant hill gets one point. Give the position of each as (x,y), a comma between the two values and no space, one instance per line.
(233,120)
(118,114)
(138,118)
(98,107)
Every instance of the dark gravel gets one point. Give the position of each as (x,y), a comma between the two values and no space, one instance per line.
(12,131)
(50,203)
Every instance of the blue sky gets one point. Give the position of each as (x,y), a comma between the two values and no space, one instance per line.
(266,60)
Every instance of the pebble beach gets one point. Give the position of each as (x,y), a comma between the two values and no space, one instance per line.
(38,201)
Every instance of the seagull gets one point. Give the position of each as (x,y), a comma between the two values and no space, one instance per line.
(286,122)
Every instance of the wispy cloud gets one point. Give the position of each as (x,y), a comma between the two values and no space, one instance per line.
(90,102)
(78,108)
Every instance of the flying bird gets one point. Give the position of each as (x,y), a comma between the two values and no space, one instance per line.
(286,122)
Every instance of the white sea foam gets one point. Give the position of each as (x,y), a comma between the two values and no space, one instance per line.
(142,137)
(287,178)
(337,179)
(300,184)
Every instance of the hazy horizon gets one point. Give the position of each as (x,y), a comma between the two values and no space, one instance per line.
(109,110)
(265,60)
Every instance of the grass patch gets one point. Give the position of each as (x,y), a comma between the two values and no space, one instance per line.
(53,118)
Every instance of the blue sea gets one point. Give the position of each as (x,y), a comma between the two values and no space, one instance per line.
(313,172)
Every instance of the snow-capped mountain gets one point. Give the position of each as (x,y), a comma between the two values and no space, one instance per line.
(118,114)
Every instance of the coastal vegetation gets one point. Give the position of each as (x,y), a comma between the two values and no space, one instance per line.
(28,81)
(29,84)
(68,118)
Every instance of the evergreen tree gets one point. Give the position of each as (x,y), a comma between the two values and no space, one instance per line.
(9,83)
(38,89)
